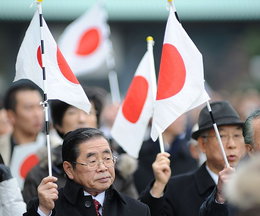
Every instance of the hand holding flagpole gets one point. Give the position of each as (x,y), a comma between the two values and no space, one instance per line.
(217,135)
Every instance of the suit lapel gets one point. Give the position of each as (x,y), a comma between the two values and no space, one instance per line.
(204,182)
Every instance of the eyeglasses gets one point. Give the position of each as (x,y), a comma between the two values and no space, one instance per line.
(108,161)
(225,137)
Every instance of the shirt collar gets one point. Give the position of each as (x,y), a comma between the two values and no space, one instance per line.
(213,175)
(100,197)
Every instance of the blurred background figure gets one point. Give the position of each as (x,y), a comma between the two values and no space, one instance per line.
(11,200)
(243,189)
(5,125)
(245,102)
(108,117)
(22,104)
(175,138)
(251,131)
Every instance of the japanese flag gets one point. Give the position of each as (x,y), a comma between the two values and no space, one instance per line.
(61,83)
(134,114)
(85,42)
(181,78)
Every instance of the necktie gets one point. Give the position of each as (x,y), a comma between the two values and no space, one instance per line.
(97,206)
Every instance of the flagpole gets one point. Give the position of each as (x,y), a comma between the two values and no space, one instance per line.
(170,3)
(45,98)
(112,77)
(150,44)
(217,135)
(114,86)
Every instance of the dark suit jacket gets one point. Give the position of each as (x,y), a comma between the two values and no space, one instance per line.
(183,195)
(72,202)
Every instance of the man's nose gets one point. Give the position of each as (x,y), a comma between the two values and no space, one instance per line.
(102,166)
(231,142)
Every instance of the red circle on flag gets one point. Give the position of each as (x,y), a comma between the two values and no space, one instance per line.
(135,99)
(63,65)
(65,68)
(28,163)
(89,41)
(172,73)
(39,56)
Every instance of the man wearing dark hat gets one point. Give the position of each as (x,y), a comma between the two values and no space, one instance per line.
(183,195)
(216,204)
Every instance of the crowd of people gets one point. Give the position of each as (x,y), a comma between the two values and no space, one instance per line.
(93,175)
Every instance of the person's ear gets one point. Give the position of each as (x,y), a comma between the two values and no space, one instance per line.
(67,166)
(11,116)
(58,128)
(202,143)
(249,149)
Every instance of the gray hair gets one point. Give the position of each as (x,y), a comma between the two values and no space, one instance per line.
(248,131)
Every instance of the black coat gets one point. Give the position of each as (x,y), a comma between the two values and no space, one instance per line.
(72,202)
(181,161)
(183,195)
(210,208)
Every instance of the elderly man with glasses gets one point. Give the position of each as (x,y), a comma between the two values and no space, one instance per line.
(89,166)
(183,195)
(217,204)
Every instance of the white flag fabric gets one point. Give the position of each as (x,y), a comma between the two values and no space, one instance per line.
(85,42)
(61,83)
(181,77)
(136,110)
(25,157)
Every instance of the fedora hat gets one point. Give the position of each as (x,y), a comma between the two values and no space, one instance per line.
(223,113)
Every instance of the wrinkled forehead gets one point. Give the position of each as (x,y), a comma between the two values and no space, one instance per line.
(95,145)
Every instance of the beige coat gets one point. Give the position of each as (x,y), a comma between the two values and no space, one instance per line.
(5,148)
